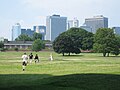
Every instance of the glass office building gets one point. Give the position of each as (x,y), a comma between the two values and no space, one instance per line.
(116,30)
(73,23)
(41,30)
(16,31)
(54,26)
(28,32)
(96,22)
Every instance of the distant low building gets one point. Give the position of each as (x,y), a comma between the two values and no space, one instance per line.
(18,44)
(22,44)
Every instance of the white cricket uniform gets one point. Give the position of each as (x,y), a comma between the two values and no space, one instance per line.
(24,57)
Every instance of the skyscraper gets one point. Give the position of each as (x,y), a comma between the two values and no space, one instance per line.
(41,30)
(87,28)
(116,30)
(28,32)
(54,26)
(96,22)
(73,23)
(16,31)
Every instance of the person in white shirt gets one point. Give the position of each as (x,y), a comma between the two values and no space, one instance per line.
(51,57)
(24,63)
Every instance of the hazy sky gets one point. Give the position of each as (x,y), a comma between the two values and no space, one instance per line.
(33,12)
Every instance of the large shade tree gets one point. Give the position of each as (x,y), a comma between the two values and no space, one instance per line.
(106,42)
(71,41)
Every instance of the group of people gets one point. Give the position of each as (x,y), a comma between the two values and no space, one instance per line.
(25,59)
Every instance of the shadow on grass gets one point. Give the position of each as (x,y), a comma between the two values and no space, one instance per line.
(72,55)
(66,82)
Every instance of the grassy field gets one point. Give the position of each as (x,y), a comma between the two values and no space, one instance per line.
(87,71)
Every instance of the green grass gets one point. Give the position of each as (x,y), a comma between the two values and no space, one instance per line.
(87,71)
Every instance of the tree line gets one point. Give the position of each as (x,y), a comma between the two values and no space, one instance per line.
(38,43)
(76,39)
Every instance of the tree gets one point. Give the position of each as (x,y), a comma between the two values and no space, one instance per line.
(1,46)
(23,37)
(116,43)
(70,41)
(37,36)
(88,41)
(64,44)
(38,45)
(105,41)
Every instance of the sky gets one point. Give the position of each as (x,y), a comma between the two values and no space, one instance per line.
(30,13)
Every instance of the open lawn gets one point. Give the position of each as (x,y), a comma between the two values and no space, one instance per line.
(87,71)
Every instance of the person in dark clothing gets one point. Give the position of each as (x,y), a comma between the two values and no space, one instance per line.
(30,57)
(36,58)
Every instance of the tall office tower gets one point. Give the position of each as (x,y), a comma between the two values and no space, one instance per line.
(87,28)
(116,30)
(96,22)
(54,26)
(73,23)
(28,32)
(41,30)
(16,31)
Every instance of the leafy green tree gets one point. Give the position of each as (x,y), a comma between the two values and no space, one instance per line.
(38,45)
(23,37)
(1,45)
(105,41)
(63,44)
(116,45)
(88,41)
(82,38)
(37,36)
(71,41)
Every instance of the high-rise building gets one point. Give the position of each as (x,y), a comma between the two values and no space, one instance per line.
(28,32)
(73,23)
(16,31)
(97,22)
(87,28)
(54,26)
(116,30)
(41,30)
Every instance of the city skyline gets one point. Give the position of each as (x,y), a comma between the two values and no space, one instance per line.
(33,12)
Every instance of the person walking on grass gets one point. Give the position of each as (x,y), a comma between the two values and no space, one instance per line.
(51,57)
(24,63)
(30,57)
(36,58)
